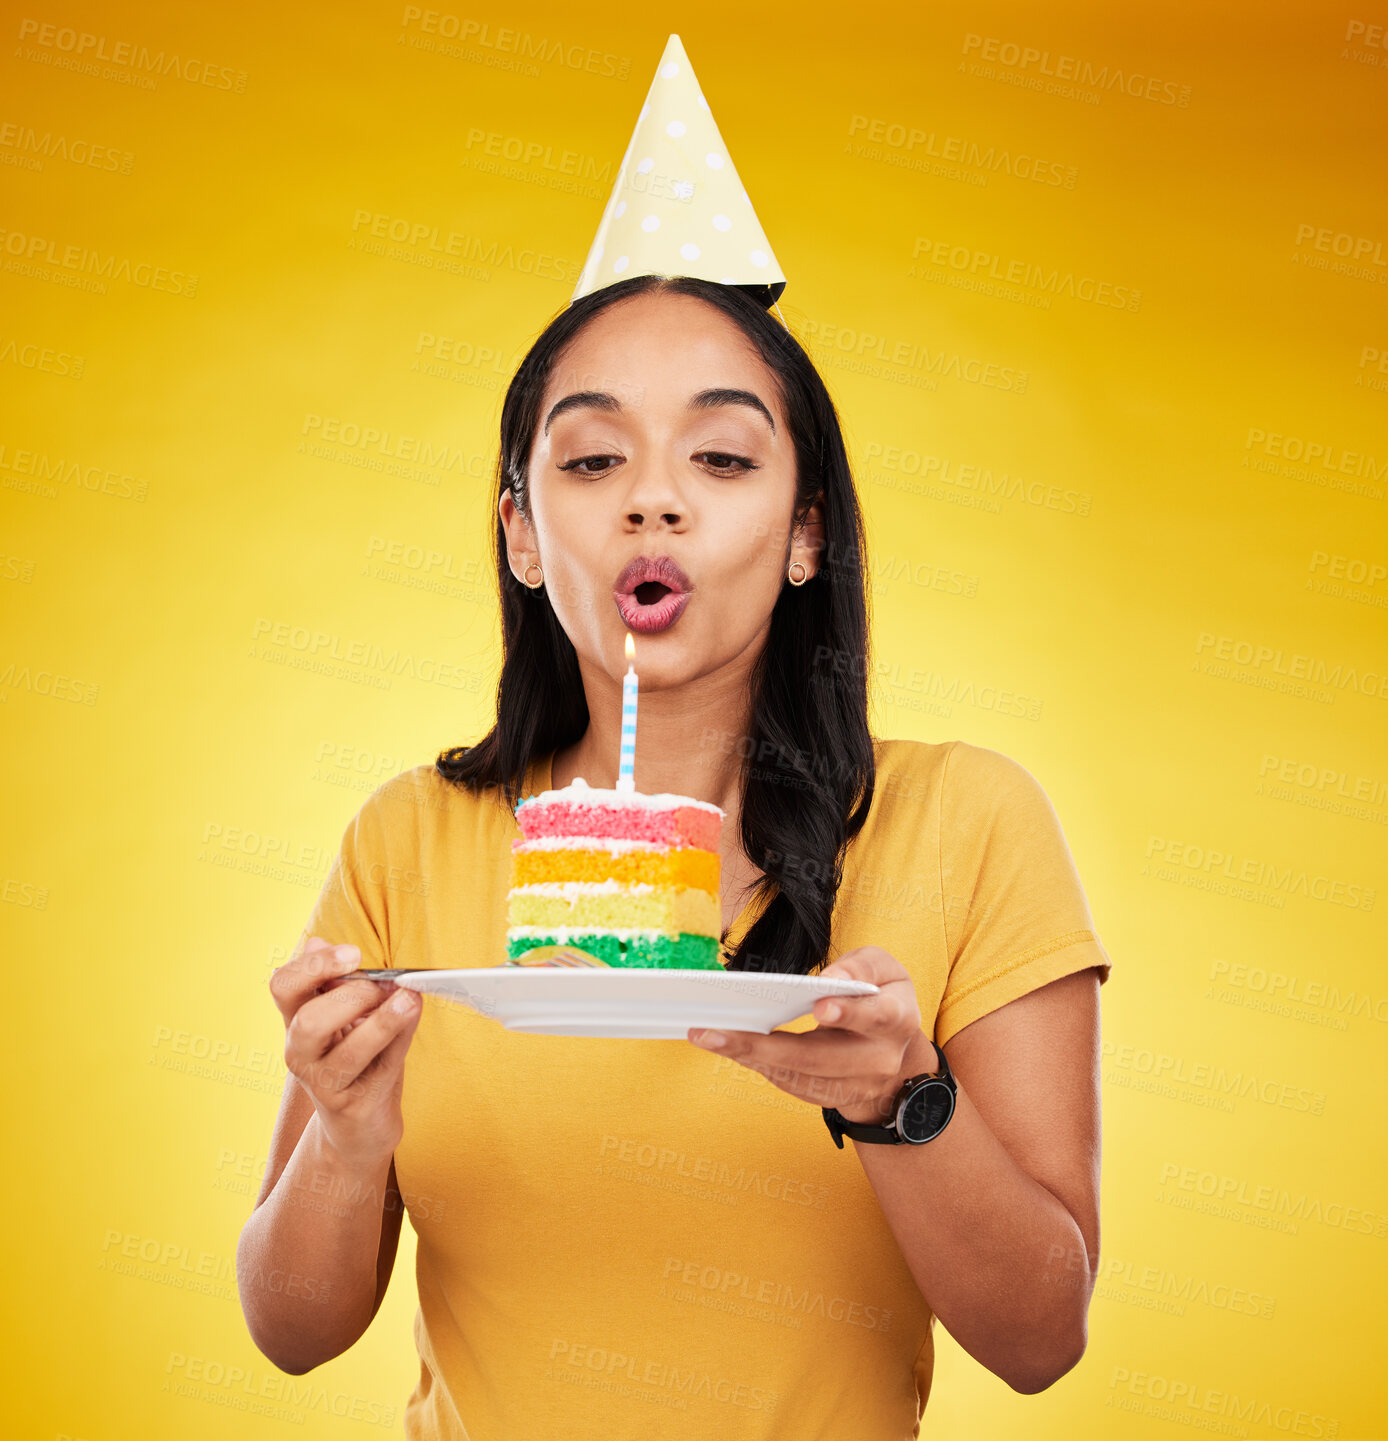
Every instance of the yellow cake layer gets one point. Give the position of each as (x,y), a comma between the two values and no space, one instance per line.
(665,908)
(687,866)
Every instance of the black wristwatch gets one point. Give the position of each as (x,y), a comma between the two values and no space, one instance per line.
(920,1112)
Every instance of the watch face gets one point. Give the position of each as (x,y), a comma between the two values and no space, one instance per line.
(926,1111)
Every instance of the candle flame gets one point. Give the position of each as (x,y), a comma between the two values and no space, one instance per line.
(631,647)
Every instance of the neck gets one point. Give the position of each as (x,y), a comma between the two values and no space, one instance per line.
(689,740)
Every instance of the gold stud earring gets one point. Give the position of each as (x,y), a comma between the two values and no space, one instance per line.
(804,573)
(533,584)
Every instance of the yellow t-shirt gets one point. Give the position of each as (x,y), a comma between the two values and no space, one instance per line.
(622,1237)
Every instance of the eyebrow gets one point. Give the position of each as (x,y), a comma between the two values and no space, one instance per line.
(704,400)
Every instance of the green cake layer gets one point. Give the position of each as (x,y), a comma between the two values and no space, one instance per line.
(657,952)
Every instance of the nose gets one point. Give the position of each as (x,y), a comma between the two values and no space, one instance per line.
(653,493)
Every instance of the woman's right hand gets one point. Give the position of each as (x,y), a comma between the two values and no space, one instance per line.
(345,1042)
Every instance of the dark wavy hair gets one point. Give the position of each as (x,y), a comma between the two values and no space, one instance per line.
(808,772)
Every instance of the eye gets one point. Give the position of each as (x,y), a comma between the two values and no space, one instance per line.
(721,462)
(580,465)
(727,464)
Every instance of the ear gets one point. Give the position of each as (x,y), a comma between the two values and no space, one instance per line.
(809,538)
(520,536)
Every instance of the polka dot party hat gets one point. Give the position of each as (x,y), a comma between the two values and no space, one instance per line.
(677,207)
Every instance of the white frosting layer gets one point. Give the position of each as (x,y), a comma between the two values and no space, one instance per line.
(563,934)
(574,891)
(579,792)
(602,843)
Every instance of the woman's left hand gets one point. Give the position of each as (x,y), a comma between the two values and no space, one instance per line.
(856,1058)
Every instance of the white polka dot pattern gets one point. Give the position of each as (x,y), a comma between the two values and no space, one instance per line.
(677,191)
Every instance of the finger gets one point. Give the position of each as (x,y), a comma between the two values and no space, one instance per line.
(316,1025)
(317,962)
(866,963)
(830,1053)
(839,1070)
(867,1014)
(390,1061)
(828,1068)
(351,979)
(386,989)
(351,1060)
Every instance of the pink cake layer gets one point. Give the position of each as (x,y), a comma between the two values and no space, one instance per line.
(677,826)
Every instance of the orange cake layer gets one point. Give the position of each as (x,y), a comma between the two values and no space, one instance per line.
(685,867)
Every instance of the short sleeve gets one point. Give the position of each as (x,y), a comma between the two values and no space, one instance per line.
(1015,913)
(351,907)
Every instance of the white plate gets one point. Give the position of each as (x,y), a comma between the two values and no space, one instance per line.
(644,1003)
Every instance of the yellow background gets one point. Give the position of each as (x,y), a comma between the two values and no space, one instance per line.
(180,783)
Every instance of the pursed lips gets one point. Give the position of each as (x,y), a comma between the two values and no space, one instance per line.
(659,571)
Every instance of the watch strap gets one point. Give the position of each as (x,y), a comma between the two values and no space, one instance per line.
(839,1126)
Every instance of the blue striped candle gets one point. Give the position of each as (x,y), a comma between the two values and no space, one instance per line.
(626,760)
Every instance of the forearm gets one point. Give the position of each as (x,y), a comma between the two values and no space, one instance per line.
(981,1238)
(306,1261)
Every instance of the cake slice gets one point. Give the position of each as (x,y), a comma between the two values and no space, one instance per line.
(630,878)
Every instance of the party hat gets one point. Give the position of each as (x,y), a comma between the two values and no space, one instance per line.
(678,207)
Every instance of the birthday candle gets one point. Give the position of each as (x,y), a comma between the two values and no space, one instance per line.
(626,760)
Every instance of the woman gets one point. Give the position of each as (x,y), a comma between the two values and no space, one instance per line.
(609,1229)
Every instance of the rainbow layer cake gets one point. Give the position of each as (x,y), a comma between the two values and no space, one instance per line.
(629,878)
